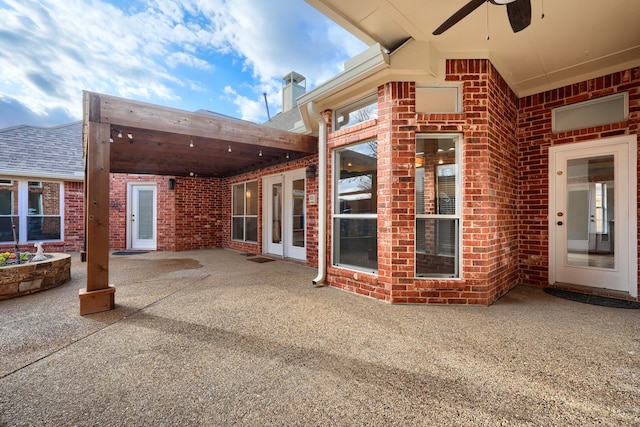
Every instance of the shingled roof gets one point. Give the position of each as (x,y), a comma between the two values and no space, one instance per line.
(42,152)
(285,120)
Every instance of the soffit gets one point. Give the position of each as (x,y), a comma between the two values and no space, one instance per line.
(576,40)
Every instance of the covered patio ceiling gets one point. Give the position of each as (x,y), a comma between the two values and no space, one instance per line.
(164,141)
(568,41)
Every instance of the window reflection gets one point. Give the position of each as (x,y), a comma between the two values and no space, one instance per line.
(355,207)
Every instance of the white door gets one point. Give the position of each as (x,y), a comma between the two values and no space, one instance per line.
(592,214)
(273,187)
(295,211)
(284,215)
(142,216)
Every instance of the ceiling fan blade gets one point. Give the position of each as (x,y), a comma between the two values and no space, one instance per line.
(519,13)
(459,15)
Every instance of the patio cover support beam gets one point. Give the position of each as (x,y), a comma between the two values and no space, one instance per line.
(128,113)
(98,295)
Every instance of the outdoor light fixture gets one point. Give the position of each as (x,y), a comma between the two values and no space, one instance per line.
(260,153)
(191,143)
(172,184)
(287,156)
(311,171)
(228,149)
(120,134)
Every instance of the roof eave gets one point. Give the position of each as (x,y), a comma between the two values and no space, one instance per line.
(414,60)
(368,63)
(75,177)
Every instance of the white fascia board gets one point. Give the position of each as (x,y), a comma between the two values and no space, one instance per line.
(77,176)
(413,61)
(369,62)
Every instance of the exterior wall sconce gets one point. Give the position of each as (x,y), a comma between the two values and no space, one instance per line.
(311,171)
(172,184)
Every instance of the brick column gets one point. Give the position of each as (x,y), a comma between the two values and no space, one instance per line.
(396,184)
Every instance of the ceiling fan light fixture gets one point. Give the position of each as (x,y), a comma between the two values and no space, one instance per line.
(518,11)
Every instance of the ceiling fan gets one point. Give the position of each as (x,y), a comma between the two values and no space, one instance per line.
(519,12)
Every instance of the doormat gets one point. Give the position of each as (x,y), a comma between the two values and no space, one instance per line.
(260,260)
(592,299)
(129,252)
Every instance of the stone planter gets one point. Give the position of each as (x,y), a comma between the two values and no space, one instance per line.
(22,279)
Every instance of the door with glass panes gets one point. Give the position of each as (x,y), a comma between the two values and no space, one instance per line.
(592,214)
(142,216)
(284,210)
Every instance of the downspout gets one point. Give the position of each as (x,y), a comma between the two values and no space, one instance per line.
(322,195)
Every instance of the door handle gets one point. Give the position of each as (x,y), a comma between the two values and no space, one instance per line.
(559,222)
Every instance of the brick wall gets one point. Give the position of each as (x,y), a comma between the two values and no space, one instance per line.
(490,180)
(73,217)
(362,283)
(199,213)
(118,210)
(503,185)
(534,139)
(396,186)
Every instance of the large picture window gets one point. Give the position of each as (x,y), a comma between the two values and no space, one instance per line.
(33,207)
(437,206)
(244,225)
(355,219)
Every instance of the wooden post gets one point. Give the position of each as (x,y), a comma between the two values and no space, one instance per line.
(98,295)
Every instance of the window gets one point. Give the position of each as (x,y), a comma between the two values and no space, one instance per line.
(34,207)
(358,112)
(8,209)
(437,206)
(245,212)
(594,112)
(355,219)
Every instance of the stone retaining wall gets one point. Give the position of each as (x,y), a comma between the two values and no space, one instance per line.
(22,279)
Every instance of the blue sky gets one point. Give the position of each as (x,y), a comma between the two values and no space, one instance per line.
(219,55)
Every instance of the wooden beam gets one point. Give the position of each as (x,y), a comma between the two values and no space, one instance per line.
(134,114)
(98,295)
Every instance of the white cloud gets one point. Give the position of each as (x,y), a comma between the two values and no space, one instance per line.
(250,109)
(182,58)
(60,47)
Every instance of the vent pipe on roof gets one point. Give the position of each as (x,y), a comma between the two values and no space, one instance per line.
(266,103)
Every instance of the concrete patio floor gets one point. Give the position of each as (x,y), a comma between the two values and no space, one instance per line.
(207,338)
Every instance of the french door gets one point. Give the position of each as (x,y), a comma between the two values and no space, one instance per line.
(284,210)
(592,214)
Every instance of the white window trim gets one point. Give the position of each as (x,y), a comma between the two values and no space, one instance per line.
(334,216)
(459,216)
(23,209)
(244,215)
(371,99)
